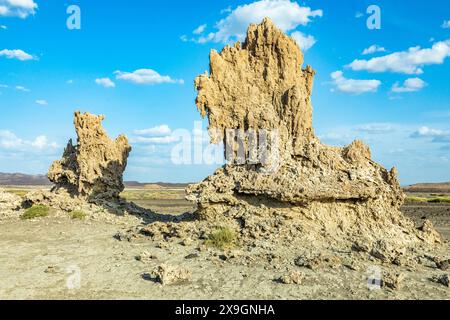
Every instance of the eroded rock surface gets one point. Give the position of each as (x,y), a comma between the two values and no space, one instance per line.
(94,167)
(90,171)
(306,188)
(9,204)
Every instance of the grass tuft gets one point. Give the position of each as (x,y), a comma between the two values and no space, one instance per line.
(222,238)
(78,214)
(35,212)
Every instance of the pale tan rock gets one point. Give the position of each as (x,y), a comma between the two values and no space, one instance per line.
(293,277)
(9,204)
(335,194)
(167,274)
(89,172)
(94,167)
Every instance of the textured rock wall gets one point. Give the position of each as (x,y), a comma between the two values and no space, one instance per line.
(260,85)
(93,168)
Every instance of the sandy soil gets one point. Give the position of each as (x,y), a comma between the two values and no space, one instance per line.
(60,258)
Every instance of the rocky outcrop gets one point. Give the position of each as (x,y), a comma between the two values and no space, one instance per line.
(90,171)
(257,99)
(9,204)
(94,167)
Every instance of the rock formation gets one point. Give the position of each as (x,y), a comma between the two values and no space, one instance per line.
(9,204)
(258,102)
(94,167)
(90,171)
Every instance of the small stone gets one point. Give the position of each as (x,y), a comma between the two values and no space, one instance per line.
(192,256)
(392,280)
(294,277)
(442,264)
(443,279)
(167,275)
(146,256)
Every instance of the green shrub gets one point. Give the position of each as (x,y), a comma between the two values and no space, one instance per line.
(78,214)
(35,212)
(221,238)
(416,199)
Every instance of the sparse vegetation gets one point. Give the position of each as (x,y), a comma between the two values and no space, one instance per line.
(152,194)
(78,214)
(222,238)
(35,212)
(433,199)
(18,192)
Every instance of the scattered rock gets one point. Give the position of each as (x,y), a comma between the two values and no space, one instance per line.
(167,275)
(192,256)
(318,262)
(294,277)
(52,269)
(443,279)
(392,280)
(442,264)
(146,256)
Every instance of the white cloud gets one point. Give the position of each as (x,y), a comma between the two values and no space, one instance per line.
(105,82)
(409,85)
(22,88)
(285,14)
(375,128)
(42,102)
(69,81)
(352,85)
(145,76)
(199,29)
(372,49)
(4,86)
(437,135)
(17,8)
(11,142)
(162,130)
(16,54)
(359,14)
(446,24)
(408,62)
(304,41)
(156,140)
(3,27)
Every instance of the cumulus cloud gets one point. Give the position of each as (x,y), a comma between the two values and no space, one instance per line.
(156,140)
(105,82)
(375,128)
(353,85)
(42,102)
(446,24)
(436,135)
(17,8)
(145,76)
(285,14)
(199,29)
(161,130)
(22,88)
(409,85)
(304,41)
(3,27)
(16,54)
(408,62)
(373,49)
(11,142)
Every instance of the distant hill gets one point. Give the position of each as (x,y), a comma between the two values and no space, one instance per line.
(443,187)
(20,179)
(154,185)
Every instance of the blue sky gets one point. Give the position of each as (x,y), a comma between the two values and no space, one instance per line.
(135,62)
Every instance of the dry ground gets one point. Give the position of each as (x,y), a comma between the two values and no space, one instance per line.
(60,258)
